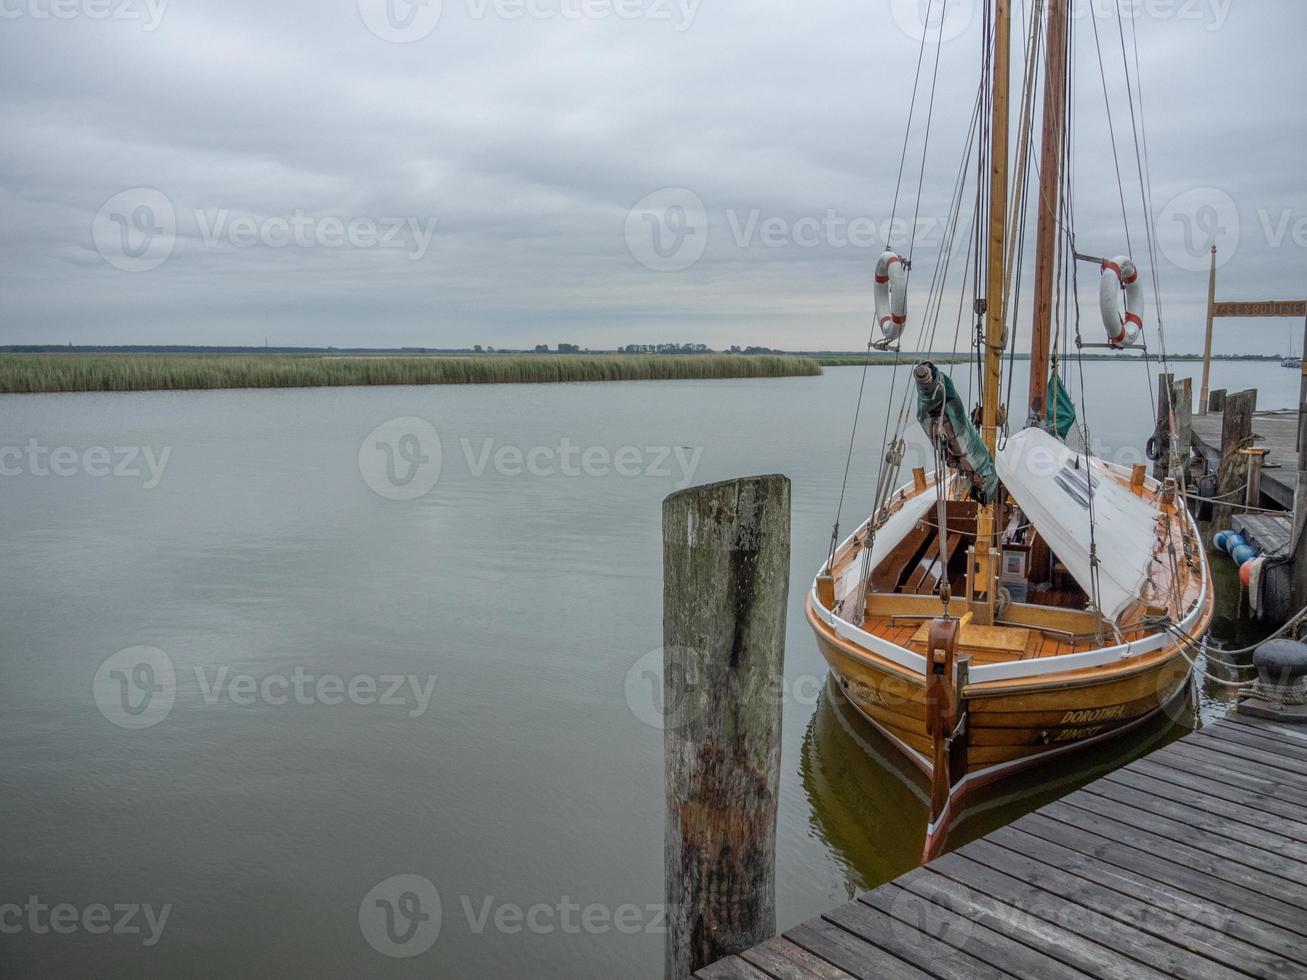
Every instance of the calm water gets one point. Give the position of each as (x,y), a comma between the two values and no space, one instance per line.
(275,779)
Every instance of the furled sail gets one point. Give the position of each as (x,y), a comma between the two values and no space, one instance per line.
(1060,414)
(1052,486)
(948,426)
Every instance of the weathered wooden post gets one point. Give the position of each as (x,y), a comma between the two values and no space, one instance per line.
(1232,474)
(1183,391)
(1256,456)
(1216,401)
(726,561)
(1204,406)
(1162,429)
(1298,543)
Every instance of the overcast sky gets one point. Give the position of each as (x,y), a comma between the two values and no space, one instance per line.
(513,172)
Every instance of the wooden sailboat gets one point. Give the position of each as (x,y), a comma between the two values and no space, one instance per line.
(1025,599)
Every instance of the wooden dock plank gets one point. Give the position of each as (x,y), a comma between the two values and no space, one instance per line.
(1166,868)
(1198,830)
(731,968)
(951,922)
(1262,745)
(1267,728)
(1212,798)
(1275,767)
(1138,957)
(908,943)
(1204,912)
(1210,860)
(832,944)
(780,959)
(1190,862)
(1275,781)
(1183,944)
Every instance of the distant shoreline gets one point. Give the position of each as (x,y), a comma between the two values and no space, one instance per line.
(41,373)
(46,370)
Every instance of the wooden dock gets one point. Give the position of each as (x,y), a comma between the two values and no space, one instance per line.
(1190,862)
(1278,432)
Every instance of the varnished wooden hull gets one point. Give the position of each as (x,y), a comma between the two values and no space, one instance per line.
(1011,726)
(1008,722)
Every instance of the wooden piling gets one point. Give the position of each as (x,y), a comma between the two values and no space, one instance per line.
(1183,392)
(1216,401)
(1256,456)
(1299,540)
(726,558)
(1232,474)
(1162,429)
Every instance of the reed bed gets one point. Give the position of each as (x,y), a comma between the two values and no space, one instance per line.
(33,373)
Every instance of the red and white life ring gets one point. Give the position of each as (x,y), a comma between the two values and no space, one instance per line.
(1121,276)
(891,295)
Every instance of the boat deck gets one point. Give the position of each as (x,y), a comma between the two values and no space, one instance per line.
(983,644)
(1190,862)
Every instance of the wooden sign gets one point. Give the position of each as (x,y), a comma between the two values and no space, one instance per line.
(1269,308)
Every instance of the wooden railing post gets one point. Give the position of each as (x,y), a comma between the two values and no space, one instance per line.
(726,559)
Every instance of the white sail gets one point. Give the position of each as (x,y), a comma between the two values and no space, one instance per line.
(1050,483)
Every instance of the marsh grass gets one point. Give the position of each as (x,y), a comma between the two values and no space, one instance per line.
(32,373)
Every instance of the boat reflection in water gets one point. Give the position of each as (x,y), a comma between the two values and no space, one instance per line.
(870,804)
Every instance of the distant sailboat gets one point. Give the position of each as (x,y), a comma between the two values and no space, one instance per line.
(1291,361)
(1025,598)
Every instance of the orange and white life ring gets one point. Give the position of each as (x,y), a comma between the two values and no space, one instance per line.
(1121,276)
(891,295)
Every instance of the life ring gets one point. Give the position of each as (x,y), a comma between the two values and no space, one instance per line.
(891,295)
(1120,275)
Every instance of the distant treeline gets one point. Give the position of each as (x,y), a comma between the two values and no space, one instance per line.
(30,374)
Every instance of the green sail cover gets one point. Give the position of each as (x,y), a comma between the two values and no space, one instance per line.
(1061,412)
(948,426)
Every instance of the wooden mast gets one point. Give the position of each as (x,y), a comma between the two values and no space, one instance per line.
(1050,200)
(995,294)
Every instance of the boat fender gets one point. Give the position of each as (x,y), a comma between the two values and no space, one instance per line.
(1121,276)
(891,295)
